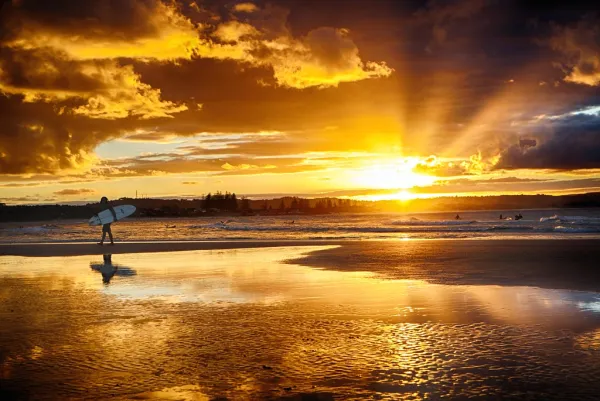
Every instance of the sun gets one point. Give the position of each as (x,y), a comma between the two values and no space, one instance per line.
(402,196)
(394,174)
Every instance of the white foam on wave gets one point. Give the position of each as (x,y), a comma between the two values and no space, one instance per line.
(290,228)
(417,222)
(576,230)
(571,219)
(551,218)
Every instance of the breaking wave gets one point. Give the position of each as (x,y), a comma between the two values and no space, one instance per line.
(582,220)
(417,222)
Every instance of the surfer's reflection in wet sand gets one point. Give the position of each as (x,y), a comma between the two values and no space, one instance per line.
(108,270)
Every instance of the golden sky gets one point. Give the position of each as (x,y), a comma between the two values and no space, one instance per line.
(373,100)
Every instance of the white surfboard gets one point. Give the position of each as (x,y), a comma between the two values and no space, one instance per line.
(106,216)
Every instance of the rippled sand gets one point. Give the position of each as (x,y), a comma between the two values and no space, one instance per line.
(240,324)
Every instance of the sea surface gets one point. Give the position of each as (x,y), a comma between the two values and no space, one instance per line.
(547,223)
(299,323)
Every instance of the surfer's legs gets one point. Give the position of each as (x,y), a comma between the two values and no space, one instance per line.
(103,236)
(106,229)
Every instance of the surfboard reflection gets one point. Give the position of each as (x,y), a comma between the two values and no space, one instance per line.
(108,270)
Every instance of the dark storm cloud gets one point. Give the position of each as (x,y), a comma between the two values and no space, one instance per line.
(580,44)
(37,69)
(34,140)
(571,143)
(96,18)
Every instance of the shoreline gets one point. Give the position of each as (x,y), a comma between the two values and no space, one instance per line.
(58,249)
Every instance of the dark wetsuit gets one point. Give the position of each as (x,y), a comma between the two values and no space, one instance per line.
(103,207)
(106,227)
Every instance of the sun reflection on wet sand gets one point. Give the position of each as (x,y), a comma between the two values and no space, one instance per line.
(241,324)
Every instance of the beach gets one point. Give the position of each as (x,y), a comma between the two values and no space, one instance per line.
(86,248)
(245,320)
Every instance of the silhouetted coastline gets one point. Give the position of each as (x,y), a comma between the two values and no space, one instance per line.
(227,204)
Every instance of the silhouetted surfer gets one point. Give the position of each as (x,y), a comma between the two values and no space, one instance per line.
(518,216)
(104,205)
(457,217)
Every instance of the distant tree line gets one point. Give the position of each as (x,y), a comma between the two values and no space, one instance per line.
(227,201)
(228,204)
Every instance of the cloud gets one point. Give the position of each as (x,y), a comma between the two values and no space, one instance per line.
(220,164)
(152,137)
(245,8)
(72,74)
(475,165)
(234,31)
(96,29)
(33,139)
(21,199)
(325,57)
(108,89)
(70,192)
(580,44)
(569,143)
(132,98)
(444,16)
(19,185)
(563,151)
(475,186)
(83,73)
(157,31)
(51,56)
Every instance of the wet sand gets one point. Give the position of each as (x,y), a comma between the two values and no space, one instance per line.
(569,264)
(331,322)
(87,248)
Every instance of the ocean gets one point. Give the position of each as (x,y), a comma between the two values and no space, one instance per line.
(536,224)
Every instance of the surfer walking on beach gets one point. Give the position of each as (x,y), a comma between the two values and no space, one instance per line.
(104,205)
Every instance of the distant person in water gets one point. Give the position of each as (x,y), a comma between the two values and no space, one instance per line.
(104,205)
(501,217)
(457,217)
(518,216)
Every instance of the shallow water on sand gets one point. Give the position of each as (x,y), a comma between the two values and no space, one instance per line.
(240,324)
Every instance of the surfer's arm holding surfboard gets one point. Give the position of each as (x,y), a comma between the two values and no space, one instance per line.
(113,212)
(108,207)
